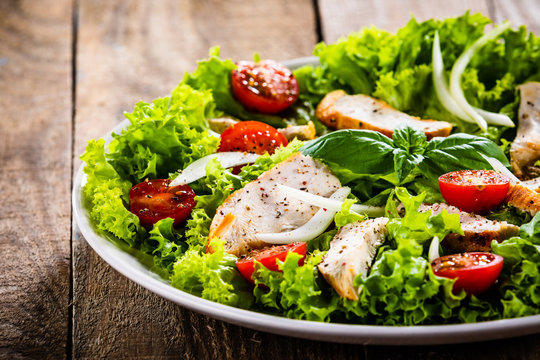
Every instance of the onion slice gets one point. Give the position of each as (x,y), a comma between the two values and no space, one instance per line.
(329,203)
(310,230)
(459,67)
(434,249)
(441,85)
(447,99)
(495,118)
(498,166)
(197,169)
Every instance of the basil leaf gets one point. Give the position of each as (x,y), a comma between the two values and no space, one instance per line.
(410,139)
(404,163)
(410,144)
(359,151)
(458,152)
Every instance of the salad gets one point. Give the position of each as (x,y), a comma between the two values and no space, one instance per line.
(262,188)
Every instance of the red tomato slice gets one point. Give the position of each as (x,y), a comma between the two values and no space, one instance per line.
(475,271)
(266,86)
(153,200)
(268,257)
(476,191)
(251,136)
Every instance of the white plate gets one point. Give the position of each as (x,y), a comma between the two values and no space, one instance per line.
(128,265)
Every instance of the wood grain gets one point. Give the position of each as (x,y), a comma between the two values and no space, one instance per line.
(128,51)
(339,19)
(520,12)
(35,175)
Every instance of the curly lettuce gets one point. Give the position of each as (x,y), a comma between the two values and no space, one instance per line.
(107,193)
(397,67)
(163,136)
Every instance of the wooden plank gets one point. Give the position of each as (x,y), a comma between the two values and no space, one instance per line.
(338,18)
(35,175)
(520,12)
(127,51)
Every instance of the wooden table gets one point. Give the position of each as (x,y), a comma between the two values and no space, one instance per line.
(68,70)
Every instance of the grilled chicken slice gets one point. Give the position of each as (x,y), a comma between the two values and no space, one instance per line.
(525,149)
(533,184)
(260,207)
(219,125)
(341,111)
(351,253)
(479,231)
(301,132)
(524,198)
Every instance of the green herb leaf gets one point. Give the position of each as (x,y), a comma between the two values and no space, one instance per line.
(458,152)
(359,151)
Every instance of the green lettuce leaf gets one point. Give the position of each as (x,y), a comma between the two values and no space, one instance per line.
(520,278)
(164,136)
(397,68)
(213,276)
(416,228)
(295,291)
(531,230)
(108,195)
(345,216)
(166,244)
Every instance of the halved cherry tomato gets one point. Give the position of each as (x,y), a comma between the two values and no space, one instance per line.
(477,191)
(153,200)
(265,86)
(475,271)
(268,257)
(251,136)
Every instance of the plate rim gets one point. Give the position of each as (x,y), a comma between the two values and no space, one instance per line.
(334,332)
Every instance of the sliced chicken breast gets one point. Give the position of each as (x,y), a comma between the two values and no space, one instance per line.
(219,125)
(341,111)
(479,231)
(524,198)
(260,207)
(351,253)
(300,132)
(533,184)
(525,149)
